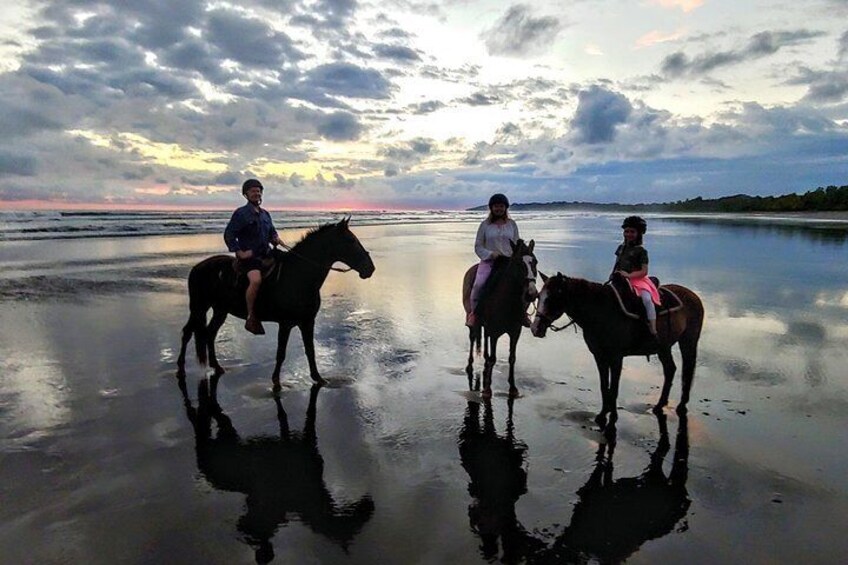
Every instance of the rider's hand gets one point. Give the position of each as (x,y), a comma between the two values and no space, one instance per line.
(244,254)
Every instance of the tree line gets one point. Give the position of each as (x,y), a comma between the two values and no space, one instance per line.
(822,199)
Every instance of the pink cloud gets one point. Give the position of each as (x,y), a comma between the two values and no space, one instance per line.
(656,36)
(685,5)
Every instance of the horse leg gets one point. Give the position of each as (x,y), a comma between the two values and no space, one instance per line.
(513,344)
(307,332)
(689,355)
(218,318)
(665,357)
(603,373)
(469,369)
(491,352)
(186,337)
(282,342)
(612,395)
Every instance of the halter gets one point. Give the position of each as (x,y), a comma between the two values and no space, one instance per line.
(550,322)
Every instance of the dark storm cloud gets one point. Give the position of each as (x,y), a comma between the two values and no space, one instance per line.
(598,113)
(517,32)
(759,45)
(340,126)
(398,53)
(347,79)
(18,121)
(193,54)
(12,164)
(250,41)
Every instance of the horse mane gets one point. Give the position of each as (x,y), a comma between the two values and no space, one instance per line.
(314,232)
(584,288)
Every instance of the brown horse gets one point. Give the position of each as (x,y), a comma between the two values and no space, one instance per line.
(501,311)
(290,294)
(611,335)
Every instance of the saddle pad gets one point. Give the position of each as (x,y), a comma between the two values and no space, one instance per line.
(631,305)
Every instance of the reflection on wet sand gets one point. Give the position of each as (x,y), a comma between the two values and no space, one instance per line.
(614,517)
(496,468)
(283,477)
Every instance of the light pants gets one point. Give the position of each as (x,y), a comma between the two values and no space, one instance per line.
(649,304)
(484,269)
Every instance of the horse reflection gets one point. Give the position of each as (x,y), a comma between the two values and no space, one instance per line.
(495,465)
(283,477)
(613,518)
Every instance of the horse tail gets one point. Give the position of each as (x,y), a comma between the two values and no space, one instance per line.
(476,337)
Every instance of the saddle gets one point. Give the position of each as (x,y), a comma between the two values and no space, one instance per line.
(631,305)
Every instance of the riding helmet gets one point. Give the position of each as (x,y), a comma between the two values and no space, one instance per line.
(250,183)
(498,199)
(636,223)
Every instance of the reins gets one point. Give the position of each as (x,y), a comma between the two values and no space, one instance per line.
(291,250)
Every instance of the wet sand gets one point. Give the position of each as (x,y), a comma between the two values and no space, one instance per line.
(102,459)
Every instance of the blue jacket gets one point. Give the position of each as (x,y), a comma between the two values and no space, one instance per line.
(250,230)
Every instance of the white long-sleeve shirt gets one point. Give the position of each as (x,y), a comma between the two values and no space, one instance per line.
(495,237)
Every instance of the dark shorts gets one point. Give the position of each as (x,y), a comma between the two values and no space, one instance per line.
(252,264)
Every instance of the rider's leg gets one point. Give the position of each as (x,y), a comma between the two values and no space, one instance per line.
(253,325)
(651,311)
(484,269)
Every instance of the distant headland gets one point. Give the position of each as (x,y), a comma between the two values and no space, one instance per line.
(829,199)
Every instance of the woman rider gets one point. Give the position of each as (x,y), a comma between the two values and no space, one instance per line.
(493,240)
(632,263)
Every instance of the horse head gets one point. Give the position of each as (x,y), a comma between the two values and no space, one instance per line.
(348,250)
(526,264)
(551,303)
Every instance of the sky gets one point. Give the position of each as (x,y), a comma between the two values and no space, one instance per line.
(418,104)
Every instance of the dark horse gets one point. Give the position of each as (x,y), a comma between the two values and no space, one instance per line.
(611,335)
(282,477)
(289,295)
(508,292)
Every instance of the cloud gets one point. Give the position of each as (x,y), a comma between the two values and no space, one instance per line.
(398,53)
(823,86)
(427,107)
(17,165)
(340,126)
(347,79)
(518,33)
(598,113)
(655,37)
(249,41)
(685,5)
(762,44)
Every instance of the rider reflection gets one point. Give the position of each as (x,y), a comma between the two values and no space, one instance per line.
(283,477)
(498,478)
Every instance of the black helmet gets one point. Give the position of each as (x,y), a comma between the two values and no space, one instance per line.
(636,223)
(498,199)
(250,183)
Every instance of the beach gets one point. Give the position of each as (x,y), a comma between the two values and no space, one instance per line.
(103,459)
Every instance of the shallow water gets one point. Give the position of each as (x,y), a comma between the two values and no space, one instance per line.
(103,459)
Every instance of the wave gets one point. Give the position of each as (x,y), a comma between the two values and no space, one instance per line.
(17,226)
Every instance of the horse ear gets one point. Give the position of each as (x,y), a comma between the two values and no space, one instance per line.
(532,245)
(560,275)
(544,277)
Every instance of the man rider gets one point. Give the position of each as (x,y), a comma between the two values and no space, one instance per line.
(249,234)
